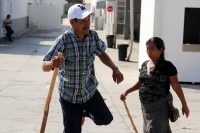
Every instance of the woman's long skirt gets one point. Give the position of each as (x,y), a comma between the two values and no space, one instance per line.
(155,116)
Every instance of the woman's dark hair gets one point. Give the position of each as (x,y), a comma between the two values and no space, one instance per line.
(159,44)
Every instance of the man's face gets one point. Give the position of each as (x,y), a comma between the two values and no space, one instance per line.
(82,26)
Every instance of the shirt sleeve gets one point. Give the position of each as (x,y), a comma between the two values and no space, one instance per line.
(57,46)
(101,46)
(170,69)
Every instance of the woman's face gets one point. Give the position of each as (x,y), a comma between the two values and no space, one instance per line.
(153,52)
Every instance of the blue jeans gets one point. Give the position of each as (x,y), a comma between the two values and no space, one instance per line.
(72,113)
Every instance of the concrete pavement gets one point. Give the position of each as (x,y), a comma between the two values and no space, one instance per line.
(24,88)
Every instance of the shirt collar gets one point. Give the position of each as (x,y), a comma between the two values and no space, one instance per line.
(74,34)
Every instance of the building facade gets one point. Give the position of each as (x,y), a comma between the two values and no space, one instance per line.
(19,14)
(177,23)
(120,14)
(19,11)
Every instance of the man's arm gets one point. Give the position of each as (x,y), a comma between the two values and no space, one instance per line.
(117,75)
(47,66)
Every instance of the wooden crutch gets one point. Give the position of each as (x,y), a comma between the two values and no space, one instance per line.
(48,100)
(134,128)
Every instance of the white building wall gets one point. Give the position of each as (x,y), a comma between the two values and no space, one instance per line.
(53,2)
(45,17)
(6,8)
(32,1)
(16,9)
(146,27)
(87,4)
(87,1)
(168,24)
(19,8)
(187,63)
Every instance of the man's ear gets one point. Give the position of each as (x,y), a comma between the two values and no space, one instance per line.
(71,21)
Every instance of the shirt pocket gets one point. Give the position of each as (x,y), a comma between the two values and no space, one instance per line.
(72,58)
(91,53)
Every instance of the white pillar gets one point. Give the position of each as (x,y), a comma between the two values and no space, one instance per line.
(149,26)
(132,4)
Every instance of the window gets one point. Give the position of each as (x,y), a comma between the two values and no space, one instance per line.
(191,34)
(121,17)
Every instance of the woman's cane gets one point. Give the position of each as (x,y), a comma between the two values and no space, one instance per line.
(48,100)
(134,128)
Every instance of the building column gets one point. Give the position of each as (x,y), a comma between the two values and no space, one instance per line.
(149,25)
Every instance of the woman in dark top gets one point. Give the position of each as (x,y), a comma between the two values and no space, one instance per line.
(162,72)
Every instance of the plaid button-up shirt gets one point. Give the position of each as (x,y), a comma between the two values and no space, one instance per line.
(77,75)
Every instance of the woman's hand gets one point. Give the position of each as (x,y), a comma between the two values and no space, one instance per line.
(133,88)
(123,96)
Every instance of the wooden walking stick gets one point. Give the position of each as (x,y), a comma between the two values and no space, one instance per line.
(48,100)
(134,128)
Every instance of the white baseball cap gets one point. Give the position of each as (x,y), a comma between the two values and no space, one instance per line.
(78,11)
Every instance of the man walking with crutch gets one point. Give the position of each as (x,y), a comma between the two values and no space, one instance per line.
(79,96)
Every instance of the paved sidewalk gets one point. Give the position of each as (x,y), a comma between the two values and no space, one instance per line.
(24,88)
